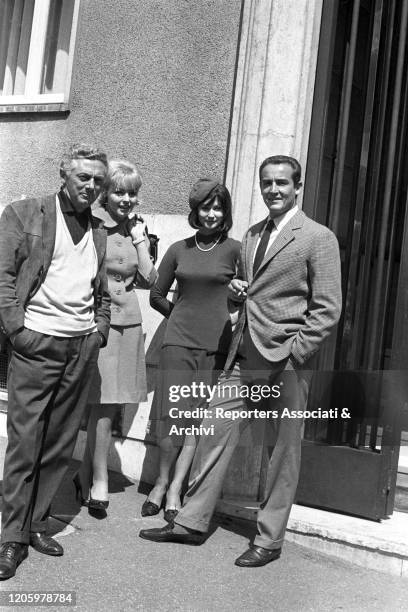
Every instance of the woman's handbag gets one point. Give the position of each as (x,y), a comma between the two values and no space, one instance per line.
(153,246)
(153,238)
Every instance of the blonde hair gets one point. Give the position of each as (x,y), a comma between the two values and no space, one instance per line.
(118,171)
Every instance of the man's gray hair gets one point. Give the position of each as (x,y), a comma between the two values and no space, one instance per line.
(81,151)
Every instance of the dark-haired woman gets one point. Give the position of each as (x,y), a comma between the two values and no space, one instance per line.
(197,336)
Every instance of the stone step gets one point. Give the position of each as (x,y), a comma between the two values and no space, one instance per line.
(382,545)
(401,493)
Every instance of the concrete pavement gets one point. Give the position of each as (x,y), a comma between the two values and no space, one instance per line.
(110,568)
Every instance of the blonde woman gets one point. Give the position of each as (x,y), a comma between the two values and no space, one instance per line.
(121,372)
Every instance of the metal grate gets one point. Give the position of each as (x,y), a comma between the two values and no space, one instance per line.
(3,370)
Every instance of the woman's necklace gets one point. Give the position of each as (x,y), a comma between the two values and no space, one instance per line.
(211,247)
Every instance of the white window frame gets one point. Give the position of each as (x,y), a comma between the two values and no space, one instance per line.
(31,100)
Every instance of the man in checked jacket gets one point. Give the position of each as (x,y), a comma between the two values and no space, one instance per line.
(290,283)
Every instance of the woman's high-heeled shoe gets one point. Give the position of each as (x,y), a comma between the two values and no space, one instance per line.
(150,508)
(99,505)
(79,496)
(170,514)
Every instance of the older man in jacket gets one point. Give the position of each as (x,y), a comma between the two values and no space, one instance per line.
(290,280)
(55,311)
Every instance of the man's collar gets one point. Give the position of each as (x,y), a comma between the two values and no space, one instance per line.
(68,208)
(281,220)
(65,202)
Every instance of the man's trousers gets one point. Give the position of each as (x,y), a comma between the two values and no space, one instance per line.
(48,384)
(214,452)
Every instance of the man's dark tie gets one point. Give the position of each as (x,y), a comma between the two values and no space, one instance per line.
(263,244)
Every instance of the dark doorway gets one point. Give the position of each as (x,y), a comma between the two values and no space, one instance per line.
(356,184)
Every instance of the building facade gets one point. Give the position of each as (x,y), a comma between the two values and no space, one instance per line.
(212,87)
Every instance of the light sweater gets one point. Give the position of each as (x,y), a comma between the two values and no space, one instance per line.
(64,303)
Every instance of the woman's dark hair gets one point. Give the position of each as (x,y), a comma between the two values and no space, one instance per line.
(225,200)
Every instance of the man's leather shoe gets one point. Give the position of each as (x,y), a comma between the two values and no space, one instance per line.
(167,534)
(11,555)
(256,556)
(46,545)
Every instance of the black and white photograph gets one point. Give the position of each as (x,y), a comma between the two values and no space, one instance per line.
(203,305)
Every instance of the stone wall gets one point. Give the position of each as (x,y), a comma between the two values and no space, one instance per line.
(152,81)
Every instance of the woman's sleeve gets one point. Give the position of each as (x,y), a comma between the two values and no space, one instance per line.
(146,274)
(159,291)
(237,260)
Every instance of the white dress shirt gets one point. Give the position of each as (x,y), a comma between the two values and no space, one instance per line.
(279,223)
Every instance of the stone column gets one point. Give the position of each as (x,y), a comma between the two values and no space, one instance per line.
(273,95)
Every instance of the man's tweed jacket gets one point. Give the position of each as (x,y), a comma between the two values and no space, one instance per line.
(27,237)
(294,299)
